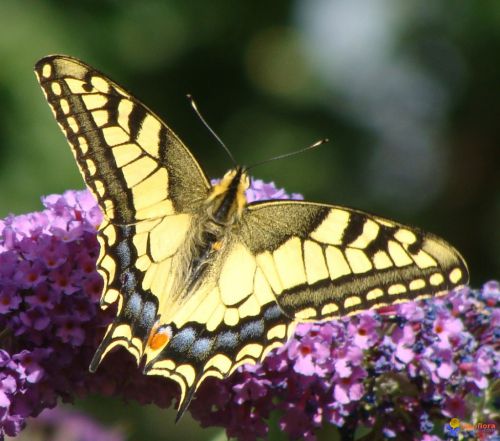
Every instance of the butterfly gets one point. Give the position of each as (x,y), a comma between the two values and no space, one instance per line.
(205,281)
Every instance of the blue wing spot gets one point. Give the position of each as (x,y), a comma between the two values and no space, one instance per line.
(183,340)
(226,340)
(123,248)
(252,330)
(128,281)
(148,315)
(272,313)
(201,347)
(133,306)
(123,253)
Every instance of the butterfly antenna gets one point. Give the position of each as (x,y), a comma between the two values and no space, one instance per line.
(195,108)
(287,155)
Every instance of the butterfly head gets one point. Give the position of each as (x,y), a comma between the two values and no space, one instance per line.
(228,195)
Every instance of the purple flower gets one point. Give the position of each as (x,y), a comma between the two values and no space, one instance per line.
(297,423)
(29,274)
(364,331)
(349,385)
(35,319)
(250,390)
(448,330)
(69,331)
(454,406)
(43,296)
(9,299)
(403,369)
(28,364)
(309,351)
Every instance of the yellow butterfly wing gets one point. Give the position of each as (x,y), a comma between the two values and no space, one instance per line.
(228,321)
(292,261)
(328,261)
(146,182)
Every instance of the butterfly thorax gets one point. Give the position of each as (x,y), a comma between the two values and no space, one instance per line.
(222,210)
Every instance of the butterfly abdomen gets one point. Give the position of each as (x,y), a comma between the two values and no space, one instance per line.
(204,252)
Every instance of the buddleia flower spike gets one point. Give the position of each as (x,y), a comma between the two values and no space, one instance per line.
(406,369)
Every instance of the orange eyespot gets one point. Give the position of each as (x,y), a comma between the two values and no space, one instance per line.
(158,340)
(159,337)
(216,246)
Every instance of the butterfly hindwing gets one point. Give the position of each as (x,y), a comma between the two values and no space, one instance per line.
(195,353)
(235,321)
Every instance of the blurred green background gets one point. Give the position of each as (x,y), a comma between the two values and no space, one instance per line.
(408,92)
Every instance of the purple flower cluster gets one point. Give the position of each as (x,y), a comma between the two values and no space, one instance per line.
(260,190)
(402,372)
(17,375)
(50,320)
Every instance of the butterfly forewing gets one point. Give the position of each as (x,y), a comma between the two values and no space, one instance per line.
(327,261)
(134,164)
(138,170)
